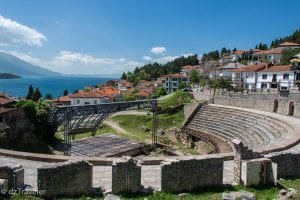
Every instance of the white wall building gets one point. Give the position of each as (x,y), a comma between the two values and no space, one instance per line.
(171,82)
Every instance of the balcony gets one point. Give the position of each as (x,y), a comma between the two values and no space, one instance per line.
(238,80)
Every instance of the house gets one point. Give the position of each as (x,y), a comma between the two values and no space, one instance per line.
(296,68)
(225,71)
(95,96)
(6,101)
(124,85)
(186,70)
(141,95)
(234,57)
(276,78)
(171,81)
(273,55)
(291,45)
(246,77)
(62,101)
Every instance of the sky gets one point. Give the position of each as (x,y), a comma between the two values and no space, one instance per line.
(108,37)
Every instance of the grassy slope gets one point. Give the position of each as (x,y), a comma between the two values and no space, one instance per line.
(175,99)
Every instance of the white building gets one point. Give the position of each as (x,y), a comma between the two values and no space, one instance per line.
(171,82)
(276,78)
(225,71)
(95,96)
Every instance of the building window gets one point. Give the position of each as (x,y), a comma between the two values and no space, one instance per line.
(1,119)
(264,76)
(77,101)
(285,76)
(264,85)
(86,103)
(184,79)
(174,79)
(174,84)
(95,102)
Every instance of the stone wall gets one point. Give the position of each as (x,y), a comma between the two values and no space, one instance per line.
(288,163)
(14,174)
(191,173)
(126,176)
(67,178)
(263,104)
(189,108)
(258,172)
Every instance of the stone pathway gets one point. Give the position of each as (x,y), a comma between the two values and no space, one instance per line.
(102,174)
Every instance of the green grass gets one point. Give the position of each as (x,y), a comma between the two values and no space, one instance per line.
(177,99)
(104,129)
(262,193)
(131,124)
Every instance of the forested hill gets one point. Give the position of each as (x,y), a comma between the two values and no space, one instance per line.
(152,71)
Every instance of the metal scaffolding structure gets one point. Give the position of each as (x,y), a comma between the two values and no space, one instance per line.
(78,119)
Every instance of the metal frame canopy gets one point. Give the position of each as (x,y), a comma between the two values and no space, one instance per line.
(78,119)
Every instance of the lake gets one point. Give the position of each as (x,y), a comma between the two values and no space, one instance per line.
(47,85)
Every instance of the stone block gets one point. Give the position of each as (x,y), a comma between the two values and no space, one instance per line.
(67,178)
(14,175)
(258,172)
(191,173)
(3,186)
(126,176)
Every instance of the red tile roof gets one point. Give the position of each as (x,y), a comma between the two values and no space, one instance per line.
(282,68)
(108,92)
(270,51)
(250,68)
(190,67)
(289,44)
(143,93)
(175,76)
(63,99)
(5,99)
(239,52)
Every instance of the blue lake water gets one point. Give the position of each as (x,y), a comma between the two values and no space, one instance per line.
(52,85)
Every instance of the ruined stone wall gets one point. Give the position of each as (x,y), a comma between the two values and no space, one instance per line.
(263,104)
(191,173)
(188,109)
(288,163)
(67,178)
(126,176)
(14,175)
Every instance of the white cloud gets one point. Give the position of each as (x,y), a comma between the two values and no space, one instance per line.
(68,62)
(13,33)
(165,59)
(187,54)
(147,58)
(158,50)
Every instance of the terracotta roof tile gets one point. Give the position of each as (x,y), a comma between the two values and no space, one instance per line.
(277,68)
(288,44)
(250,68)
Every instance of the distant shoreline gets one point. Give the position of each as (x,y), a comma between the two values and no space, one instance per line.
(9,76)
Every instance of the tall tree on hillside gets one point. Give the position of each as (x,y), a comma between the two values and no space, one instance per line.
(234,50)
(124,76)
(36,95)
(194,76)
(30,92)
(66,92)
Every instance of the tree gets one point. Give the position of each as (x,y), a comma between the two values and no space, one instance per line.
(124,76)
(160,91)
(287,54)
(217,84)
(66,92)
(36,95)
(203,83)
(48,96)
(30,92)
(234,50)
(194,76)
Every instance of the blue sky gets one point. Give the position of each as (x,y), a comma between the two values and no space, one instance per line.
(108,37)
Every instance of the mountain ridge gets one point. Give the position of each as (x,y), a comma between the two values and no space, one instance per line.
(12,64)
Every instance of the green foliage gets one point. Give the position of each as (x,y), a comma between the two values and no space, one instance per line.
(48,96)
(37,113)
(177,99)
(194,76)
(66,92)
(182,85)
(219,83)
(295,37)
(203,83)
(154,70)
(287,54)
(213,55)
(30,92)
(160,91)
(261,46)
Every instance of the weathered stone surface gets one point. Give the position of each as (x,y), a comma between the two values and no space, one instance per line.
(238,195)
(258,172)
(111,197)
(126,176)
(3,186)
(287,163)
(14,174)
(190,173)
(68,178)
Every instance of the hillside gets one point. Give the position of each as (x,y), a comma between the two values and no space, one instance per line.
(14,65)
(9,76)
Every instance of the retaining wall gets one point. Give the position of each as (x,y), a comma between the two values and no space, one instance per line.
(288,163)
(191,173)
(14,175)
(67,178)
